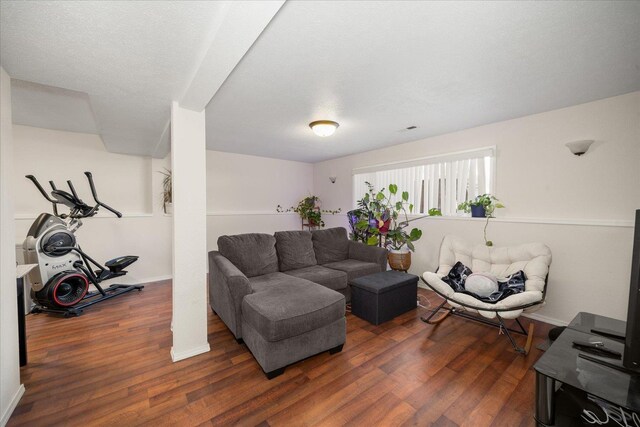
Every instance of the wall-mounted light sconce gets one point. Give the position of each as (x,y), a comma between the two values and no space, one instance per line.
(332,179)
(580,147)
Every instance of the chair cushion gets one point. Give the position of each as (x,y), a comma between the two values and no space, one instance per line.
(292,308)
(328,277)
(254,254)
(295,249)
(532,258)
(330,245)
(434,280)
(355,268)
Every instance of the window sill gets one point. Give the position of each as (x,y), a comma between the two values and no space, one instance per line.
(546,221)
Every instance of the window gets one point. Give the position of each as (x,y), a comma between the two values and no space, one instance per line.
(440,182)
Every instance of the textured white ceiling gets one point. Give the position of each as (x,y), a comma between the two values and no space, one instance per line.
(131,58)
(375,67)
(379,67)
(51,108)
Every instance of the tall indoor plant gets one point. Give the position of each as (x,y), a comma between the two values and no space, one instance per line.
(382,218)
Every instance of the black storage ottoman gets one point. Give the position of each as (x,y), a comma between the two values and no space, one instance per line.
(380,297)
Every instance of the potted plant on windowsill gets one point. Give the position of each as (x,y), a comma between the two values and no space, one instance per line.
(309,211)
(482,206)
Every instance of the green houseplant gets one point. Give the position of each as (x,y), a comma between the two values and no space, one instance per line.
(309,211)
(167,196)
(382,218)
(482,206)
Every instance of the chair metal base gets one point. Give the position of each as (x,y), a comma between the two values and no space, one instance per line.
(499,324)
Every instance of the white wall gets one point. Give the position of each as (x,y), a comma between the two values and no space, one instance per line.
(581,207)
(10,388)
(242,195)
(592,197)
(130,184)
(244,191)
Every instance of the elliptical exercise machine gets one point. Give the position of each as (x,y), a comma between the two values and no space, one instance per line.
(60,283)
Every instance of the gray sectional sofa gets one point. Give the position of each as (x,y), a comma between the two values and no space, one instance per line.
(284,295)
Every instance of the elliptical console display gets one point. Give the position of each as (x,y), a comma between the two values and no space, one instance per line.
(60,283)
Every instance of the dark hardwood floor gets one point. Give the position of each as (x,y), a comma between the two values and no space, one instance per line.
(112,366)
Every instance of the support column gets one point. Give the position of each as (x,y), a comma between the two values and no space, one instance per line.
(189,178)
(10,388)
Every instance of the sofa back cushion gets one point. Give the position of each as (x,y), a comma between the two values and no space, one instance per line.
(295,250)
(330,245)
(254,254)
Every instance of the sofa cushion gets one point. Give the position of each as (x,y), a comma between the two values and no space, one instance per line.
(355,268)
(330,245)
(254,254)
(327,277)
(289,309)
(265,281)
(295,249)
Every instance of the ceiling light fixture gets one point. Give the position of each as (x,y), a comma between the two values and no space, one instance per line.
(324,127)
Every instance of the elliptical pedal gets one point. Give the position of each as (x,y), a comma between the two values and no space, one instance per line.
(118,264)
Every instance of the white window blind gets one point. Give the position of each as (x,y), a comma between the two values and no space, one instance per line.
(440,182)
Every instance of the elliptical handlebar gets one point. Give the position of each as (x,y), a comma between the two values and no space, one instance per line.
(44,193)
(73,190)
(95,196)
(80,210)
(39,187)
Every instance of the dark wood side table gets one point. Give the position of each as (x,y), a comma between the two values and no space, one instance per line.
(571,390)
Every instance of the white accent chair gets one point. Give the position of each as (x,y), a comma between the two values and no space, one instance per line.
(532,258)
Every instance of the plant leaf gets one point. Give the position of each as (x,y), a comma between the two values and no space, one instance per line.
(393,189)
(405,196)
(362,225)
(415,234)
(372,240)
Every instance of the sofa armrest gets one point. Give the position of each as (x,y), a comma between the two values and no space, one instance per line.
(227,288)
(367,253)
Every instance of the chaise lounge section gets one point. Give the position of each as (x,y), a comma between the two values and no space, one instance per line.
(284,295)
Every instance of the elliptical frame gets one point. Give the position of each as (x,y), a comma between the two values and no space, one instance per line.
(77,261)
